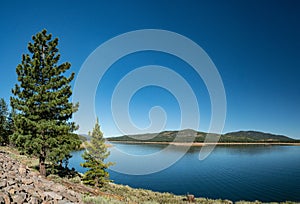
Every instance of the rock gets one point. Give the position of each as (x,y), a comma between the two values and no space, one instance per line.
(41,194)
(29,190)
(69,197)
(46,202)
(59,188)
(5,197)
(27,181)
(4,175)
(12,174)
(49,185)
(63,202)
(11,182)
(2,199)
(18,184)
(11,191)
(190,198)
(22,170)
(18,179)
(3,183)
(35,200)
(19,198)
(53,195)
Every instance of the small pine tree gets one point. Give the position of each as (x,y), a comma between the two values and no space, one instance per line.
(42,125)
(96,152)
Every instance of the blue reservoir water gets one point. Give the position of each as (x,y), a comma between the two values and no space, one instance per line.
(265,173)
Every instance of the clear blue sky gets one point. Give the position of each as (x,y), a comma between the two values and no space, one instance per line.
(254,44)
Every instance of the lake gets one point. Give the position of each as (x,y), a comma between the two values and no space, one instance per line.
(251,172)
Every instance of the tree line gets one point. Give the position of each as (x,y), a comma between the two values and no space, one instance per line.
(40,121)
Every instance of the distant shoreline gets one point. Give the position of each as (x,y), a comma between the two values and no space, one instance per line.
(200,144)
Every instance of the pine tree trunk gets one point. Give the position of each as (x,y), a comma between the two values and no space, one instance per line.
(42,163)
(96,182)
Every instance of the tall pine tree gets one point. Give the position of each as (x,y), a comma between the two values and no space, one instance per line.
(41,100)
(96,152)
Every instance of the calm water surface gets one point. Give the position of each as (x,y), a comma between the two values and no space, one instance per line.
(265,173)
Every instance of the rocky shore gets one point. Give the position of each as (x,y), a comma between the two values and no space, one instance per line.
(19,184)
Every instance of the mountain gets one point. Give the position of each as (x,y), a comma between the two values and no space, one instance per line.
(188,135)
(254,136)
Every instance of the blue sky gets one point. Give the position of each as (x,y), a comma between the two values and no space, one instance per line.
(255,46)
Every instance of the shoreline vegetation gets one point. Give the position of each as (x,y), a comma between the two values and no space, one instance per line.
(113,193)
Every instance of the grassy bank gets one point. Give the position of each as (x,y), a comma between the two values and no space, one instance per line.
(113,193)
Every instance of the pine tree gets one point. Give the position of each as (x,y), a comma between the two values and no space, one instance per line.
(10,124)
(96,152)
(42,123)
(4,133)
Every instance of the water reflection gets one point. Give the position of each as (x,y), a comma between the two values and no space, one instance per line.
(144,149)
